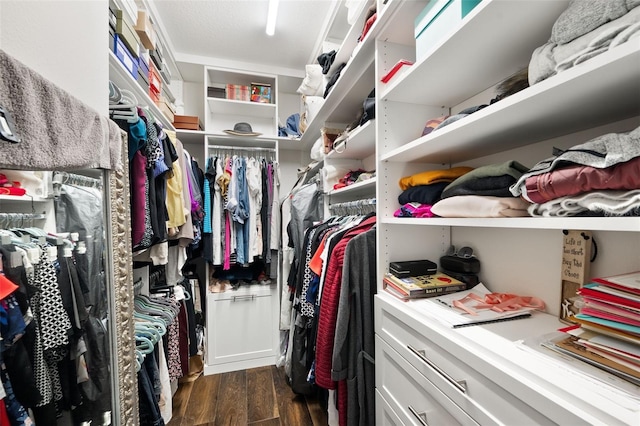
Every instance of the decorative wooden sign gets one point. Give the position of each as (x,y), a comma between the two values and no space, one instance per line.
(576,256)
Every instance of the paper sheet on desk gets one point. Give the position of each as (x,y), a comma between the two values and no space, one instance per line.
(442,309)
(566,369)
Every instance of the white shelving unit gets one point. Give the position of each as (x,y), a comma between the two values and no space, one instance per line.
(564,104)
(23,198)
(33,205)
(360,143)
(355,83)
(359,149)
(231,107)
(624,224)
(506,382)
(221,114)
(366,186)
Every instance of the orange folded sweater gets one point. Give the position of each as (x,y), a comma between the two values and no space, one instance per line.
(433,176)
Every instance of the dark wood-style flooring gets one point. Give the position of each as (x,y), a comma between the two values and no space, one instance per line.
(257,397)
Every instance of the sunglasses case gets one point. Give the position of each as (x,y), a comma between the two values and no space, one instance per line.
(465,265)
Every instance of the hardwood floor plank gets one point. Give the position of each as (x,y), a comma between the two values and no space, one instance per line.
(255,397)
(232,399)
(262,403)
(180,403)
(268,422)
(317,413)
(293,408)
(203,401)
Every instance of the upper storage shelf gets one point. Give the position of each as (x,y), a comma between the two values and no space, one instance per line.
(474,45)
(233,107)
(624,224)
(361,143)
(216,76)
(601,90)
(356,80)
(121,77)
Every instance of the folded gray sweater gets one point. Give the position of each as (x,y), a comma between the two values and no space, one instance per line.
(601,152)
(57,130)
(551,57)
(584,16)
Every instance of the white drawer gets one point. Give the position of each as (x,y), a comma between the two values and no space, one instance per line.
(385,416)
(241,325)
(413,398)
(480,397)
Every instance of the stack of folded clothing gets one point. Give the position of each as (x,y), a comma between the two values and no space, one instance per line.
(584,30)
(484,192)
(600,177)
(354,176)
(22,182)
(422,190)
(10,187)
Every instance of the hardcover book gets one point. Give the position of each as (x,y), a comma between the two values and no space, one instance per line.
(405,295)
(426,285)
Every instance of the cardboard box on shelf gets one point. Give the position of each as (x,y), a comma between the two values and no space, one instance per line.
(261,92)
(112,40)
(129,7)
(143,79)
(187,122)
(237,92)
(126,32)
(155,96)
(124,55)
(154,78)
(166,109)
(145,30)
(216,92)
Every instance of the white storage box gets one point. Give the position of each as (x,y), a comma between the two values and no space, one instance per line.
(437,20)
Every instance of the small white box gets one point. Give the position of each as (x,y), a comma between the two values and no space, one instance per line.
(436,21)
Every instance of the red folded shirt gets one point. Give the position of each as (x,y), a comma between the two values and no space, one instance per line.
(12,190)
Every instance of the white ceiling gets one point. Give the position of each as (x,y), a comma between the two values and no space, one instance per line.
(231,33)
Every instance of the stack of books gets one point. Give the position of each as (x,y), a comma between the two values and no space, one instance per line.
(414,287)
(608,335)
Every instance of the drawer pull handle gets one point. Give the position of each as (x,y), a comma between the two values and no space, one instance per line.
(461,385)
(244,297)
(422,417)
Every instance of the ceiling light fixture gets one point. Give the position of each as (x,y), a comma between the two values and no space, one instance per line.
(271,17)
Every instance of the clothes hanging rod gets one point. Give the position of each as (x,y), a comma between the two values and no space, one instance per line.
(74,179)
(14,219)
(241,148)
(23,216)
(354,207)
(363,202)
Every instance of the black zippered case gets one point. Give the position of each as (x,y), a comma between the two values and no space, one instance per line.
(412,268)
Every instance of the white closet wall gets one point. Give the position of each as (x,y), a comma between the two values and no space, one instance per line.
(64,41)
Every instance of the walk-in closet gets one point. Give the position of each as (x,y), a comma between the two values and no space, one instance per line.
(319,212)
